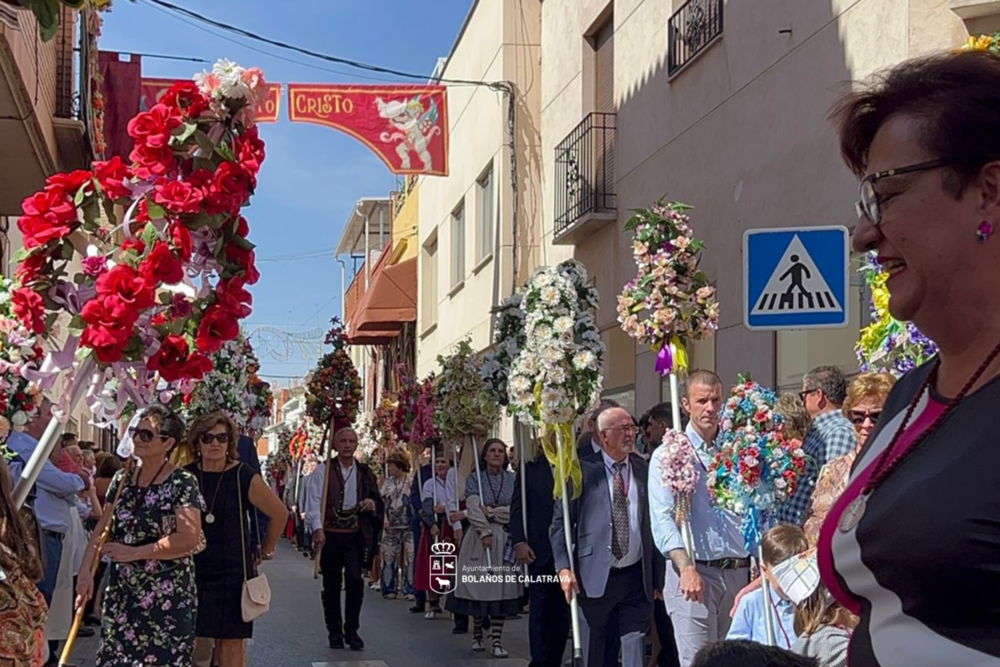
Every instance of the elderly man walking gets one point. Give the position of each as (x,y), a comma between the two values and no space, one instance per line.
(614,546)
(346,534)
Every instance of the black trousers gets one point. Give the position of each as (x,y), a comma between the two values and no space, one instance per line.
(622,610)
(548,624)
(665,632)
(341,564)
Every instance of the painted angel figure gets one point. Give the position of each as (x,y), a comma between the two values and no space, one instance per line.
(412,126)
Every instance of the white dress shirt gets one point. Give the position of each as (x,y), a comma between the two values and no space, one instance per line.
(312,503)
(447,494)
(634,553)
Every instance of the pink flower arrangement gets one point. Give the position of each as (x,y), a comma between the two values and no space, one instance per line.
(679,464)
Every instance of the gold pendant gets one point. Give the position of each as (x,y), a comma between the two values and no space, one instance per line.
(851,517)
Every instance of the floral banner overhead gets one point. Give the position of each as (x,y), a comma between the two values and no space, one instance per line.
(406,126)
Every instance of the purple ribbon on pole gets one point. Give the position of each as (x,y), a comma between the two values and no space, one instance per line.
(664,360)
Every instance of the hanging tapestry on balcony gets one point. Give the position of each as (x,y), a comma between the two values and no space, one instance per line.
(267,110)
(406,126)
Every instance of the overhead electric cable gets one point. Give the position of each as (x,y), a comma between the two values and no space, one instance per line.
(496,85)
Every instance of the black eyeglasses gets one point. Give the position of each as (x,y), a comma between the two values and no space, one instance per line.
(803,394)
(858,417)
(869,202)
(625,429)
(143,435)
(208,438)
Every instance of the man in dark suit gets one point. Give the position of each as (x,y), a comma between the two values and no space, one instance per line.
(610,529)
(548,622)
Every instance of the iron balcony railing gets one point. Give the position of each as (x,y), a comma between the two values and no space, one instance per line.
(692,28)
(585,170)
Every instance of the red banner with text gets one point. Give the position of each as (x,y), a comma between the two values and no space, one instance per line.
(406,126)
(268,108)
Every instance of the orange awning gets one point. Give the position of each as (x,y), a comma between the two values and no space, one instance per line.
(373,337)
(390,302)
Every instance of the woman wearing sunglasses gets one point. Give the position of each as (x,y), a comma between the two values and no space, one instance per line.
(231,491)
(863,406)
(150,602)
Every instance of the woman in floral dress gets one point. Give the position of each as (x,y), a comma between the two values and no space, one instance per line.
(397,538)
(151,601)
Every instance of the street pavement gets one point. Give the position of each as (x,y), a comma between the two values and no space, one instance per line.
(293,634)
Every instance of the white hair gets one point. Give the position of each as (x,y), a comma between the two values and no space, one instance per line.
(606,415)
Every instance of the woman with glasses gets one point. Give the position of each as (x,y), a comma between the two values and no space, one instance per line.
(231,491)
(150,603)
(912,544)
(492,594)
(863,406)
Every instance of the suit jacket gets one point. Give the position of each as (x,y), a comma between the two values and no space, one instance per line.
(540,484)
(590,523)
(247,450)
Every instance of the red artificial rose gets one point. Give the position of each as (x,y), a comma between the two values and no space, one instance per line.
(135,244)
(186,98)
(151,161)
(112,175)
(69,184)
(39,232)
(180,307)
(169,359)
(109,312)
(154,128)
(53,206)
(218,326)
(126,284)
(229,190)
(180,236)
(249,150)
(107,342)
(234,297)
(29,308)
(242,227)
(196,367)
(245,259)
(178,196)
(161,267)
(159,319)
(30,267)
(201,179)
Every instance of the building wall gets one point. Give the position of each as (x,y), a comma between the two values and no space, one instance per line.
(741,134)
(405,225)
(499,42)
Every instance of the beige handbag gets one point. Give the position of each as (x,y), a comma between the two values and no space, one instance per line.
(256,600)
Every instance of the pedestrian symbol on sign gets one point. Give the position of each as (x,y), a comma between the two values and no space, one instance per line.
(795,278)
(796,285)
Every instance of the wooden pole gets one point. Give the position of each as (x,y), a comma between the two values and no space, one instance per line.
(101,541)
(482,498)
(326,491)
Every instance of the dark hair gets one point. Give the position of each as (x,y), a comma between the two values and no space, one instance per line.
(168,423)
(745,653)
(205,423)
(703,378)
(18,532)
(819,610)
(88,445)
(662,412)
(782,542)
(605,404)
(68,438)
(830,380)
(954,94)
(108,466)
(486,447)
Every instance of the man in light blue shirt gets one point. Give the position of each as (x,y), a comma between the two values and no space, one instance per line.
(55,503)
(698,592)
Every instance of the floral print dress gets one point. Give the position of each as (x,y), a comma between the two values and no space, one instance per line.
(150,606)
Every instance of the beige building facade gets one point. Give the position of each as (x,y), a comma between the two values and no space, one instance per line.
(722,105)
(469,253)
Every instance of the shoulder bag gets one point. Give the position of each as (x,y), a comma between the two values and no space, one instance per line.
(256,599)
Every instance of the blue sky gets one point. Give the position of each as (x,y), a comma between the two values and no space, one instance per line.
(313,175)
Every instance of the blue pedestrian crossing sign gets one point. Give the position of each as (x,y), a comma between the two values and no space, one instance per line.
(796,278)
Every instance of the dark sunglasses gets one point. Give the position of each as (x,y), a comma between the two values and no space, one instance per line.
(858,418)
(803,394)
(143,435)
(869,201)
(208,438)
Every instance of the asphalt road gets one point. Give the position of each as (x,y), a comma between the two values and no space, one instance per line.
(292,634)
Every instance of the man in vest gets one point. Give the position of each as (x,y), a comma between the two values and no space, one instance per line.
(348,538)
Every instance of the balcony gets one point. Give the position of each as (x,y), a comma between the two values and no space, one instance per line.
(585,180)
(692,29)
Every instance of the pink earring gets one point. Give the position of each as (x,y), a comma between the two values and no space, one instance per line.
(985,230)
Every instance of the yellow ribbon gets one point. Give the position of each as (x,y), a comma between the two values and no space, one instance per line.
(566,466)
(680,355)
